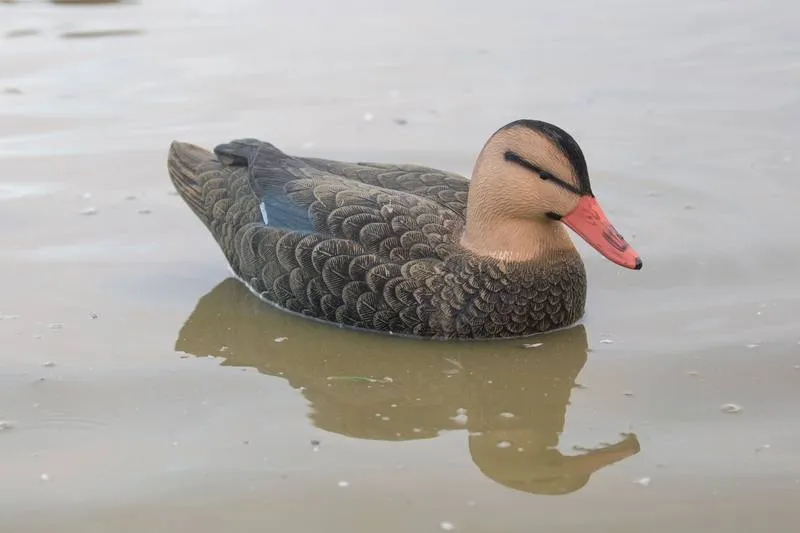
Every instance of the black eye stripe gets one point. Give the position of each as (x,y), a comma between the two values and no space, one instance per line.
(514,158)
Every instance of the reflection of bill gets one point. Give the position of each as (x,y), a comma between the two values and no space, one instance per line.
(511,400)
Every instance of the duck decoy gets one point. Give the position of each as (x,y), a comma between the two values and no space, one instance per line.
(407,249)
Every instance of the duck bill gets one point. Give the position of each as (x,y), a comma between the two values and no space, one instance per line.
(589,221)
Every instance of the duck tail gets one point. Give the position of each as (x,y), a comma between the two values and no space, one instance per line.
(184,163)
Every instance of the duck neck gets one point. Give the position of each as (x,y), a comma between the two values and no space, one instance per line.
(491,231)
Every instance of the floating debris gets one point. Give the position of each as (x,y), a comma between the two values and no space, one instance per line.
(763,448)
(49,364)
(533,345)
(447,526)
(86,196)
(730,408)
(368,117)
(93,316)
(130,197)
(89,211)
(344,484)
(503,444)
(606,341)
(55,325)
(5,425)
(44,477)
(628,393)
(751,346)
(693,373)
(315,445)
(8,317)
(460,418)
(144,211)
(359,378)
(643,481)
(281,339)
(507,415)
(400,121)
(11,90)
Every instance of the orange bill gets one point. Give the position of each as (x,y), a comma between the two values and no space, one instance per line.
(589,221)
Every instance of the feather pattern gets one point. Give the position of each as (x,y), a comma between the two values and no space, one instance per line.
(368,245)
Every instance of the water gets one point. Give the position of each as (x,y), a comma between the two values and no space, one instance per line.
(171,407)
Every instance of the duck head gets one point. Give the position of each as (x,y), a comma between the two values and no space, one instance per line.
(530,181)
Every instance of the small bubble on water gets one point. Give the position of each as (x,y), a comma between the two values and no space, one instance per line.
(507,415)
(281,339)
(344,484)
(730,408)
(44,477)
(643,481)
(447,526)
(385,418)
(416,430)
(86,195)
(503,444)
(751,346)
(368,117)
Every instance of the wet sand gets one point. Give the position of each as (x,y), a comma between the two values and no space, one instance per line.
(142,389)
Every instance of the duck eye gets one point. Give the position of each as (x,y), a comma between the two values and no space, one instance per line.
(545,175)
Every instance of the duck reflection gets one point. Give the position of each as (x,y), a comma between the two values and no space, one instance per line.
(511,400)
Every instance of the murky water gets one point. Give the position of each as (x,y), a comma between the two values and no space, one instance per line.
(142,389)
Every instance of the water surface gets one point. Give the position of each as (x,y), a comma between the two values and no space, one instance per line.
(144,390)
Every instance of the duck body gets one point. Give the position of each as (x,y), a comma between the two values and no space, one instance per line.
(369,246)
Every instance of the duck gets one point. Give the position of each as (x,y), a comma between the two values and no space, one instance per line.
(407,249)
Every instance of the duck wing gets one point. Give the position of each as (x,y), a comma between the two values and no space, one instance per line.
(396,225)
(446,188)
